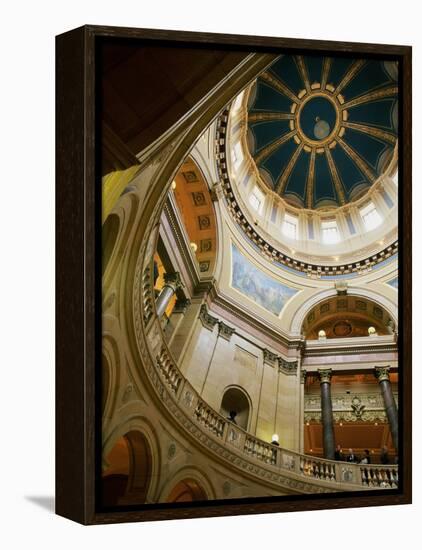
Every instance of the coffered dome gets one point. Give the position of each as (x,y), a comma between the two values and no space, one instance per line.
(322,130)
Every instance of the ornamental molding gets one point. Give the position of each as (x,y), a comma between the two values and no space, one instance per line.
(287,367)
(225,331)
(269,357)
(208,321)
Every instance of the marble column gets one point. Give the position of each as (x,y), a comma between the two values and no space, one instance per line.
(302,410)
(327,413)
(383,376)
(172,282)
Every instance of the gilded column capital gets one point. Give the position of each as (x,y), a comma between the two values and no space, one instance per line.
(173,280)
(325,376)
(287,367)
(382,373)
(207,320)
(225,331)
(269,357)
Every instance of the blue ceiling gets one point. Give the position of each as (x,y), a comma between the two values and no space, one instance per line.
(321,130)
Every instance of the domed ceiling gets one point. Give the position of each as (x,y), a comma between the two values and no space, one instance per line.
(321,130)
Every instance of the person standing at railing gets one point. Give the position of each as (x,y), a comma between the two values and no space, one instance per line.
(338,455)
(367,457)
(351,457)
(384,458)
(232,417)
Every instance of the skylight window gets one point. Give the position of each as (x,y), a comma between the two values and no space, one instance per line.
(237,155)
(289,227)
(256,199)
(370,216)
(330,232)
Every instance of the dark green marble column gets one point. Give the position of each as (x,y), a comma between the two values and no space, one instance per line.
(383,376)
(327,413)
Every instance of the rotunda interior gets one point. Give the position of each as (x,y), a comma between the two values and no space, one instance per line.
(250,277)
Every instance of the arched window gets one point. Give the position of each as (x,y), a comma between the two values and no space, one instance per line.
(235,405)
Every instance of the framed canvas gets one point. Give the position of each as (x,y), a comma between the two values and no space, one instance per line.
(233,275)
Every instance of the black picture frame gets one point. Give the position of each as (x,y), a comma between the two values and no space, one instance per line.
(78,276)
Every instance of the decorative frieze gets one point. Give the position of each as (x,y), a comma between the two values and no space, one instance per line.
(287,367)
(269,357)
(225,331)
(207,320)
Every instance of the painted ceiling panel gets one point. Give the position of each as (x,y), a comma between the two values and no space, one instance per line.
(287,70)
(339,66)
(370,77)
(268,99)
(368,147)
(348,171)
(277,162)
(314,68)
(296,183)
(323,187)
(377,113)
(266,132)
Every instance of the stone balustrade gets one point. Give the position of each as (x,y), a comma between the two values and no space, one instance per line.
(243,449)
(379,476)
(147,294)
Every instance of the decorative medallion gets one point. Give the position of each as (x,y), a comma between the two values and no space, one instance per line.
(342,329)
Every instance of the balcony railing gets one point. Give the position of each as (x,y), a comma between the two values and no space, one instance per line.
(241,448)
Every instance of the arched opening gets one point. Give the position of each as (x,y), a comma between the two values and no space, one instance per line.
(236,401)
(109,237)
(128,476)
(187,490)
(346,317)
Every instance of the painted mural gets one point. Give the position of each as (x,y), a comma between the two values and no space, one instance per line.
(394,283)
(255,285)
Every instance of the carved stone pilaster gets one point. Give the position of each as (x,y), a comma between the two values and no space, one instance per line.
(382,373)
(287,367)
(302,376)
(225,331)
(269,357)
(207,320)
